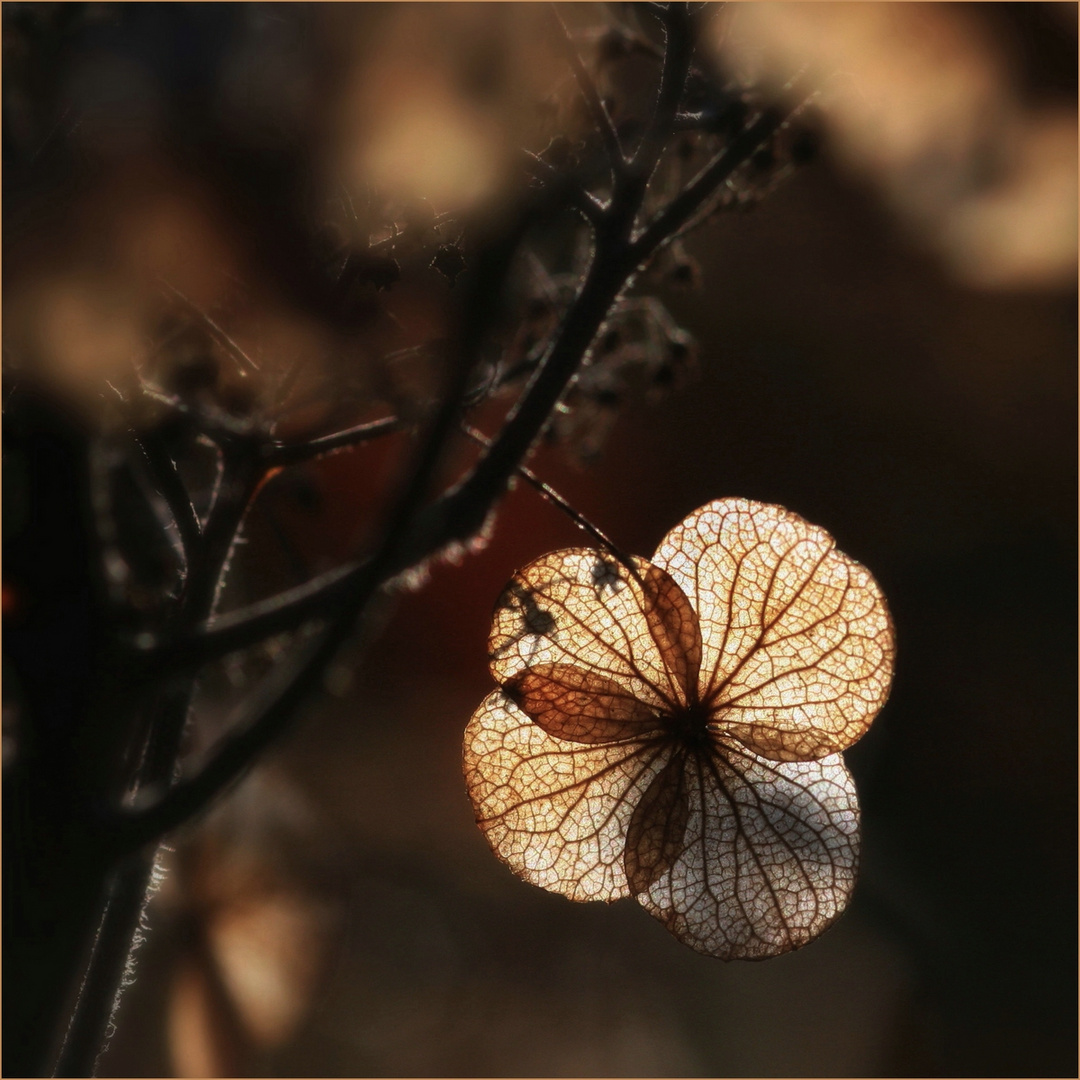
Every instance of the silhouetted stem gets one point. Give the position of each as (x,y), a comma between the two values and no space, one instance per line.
(678,215)
(608,135)
(678,49)
(552,496)
(173,491)
(216,332)
(104,979)
(280,454)
(112,949)
(586,204)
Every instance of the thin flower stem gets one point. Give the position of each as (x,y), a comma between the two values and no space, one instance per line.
(216,425)
(552,496)
(261,720)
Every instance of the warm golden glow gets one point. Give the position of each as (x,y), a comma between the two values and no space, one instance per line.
(921,98)
(268,953)
(444,100)
(673,732)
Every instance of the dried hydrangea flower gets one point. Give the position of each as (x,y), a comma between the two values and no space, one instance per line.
(673,731)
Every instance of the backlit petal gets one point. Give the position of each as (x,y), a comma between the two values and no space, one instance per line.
(797,644)
(582,706)
(769,855)
(581,608)
(555,812)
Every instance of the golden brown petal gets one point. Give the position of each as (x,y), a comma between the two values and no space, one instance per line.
(556,813)
(674,627)
(769,855)
(580,706)
(797,644)
(581,608)
(654,838)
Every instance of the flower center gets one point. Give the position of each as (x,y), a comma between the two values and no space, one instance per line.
(690,725)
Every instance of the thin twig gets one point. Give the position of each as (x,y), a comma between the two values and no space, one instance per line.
(678,49)
(552,496)
(216,332)
(586,204)
(249,625)
(293,453)
(679,214)
(438,222)
(216,424)
(260,721)
(600,116)
(172,489)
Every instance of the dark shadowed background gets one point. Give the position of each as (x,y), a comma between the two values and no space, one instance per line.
(360,924)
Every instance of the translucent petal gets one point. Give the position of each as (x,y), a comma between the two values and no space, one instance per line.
(655,837)
(581,608)
(577,705)
(797,644)
(555,812)
(674,626)
(768,857)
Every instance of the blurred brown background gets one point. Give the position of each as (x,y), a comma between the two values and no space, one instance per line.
(342,915)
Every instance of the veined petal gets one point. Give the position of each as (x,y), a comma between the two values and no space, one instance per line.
(655,837)
(581,608)
(581,706)
(768,857)
(797,644)
(555,812)
(674,626)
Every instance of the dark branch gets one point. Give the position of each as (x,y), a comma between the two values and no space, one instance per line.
(678,50)
(278,454)
(164,472)
(677,216)
(586,204)
(85,1038)
(552,496)
(216,424)
(600,117)
(392,238)
(262,718)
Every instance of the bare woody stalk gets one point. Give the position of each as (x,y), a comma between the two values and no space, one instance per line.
(417,526)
